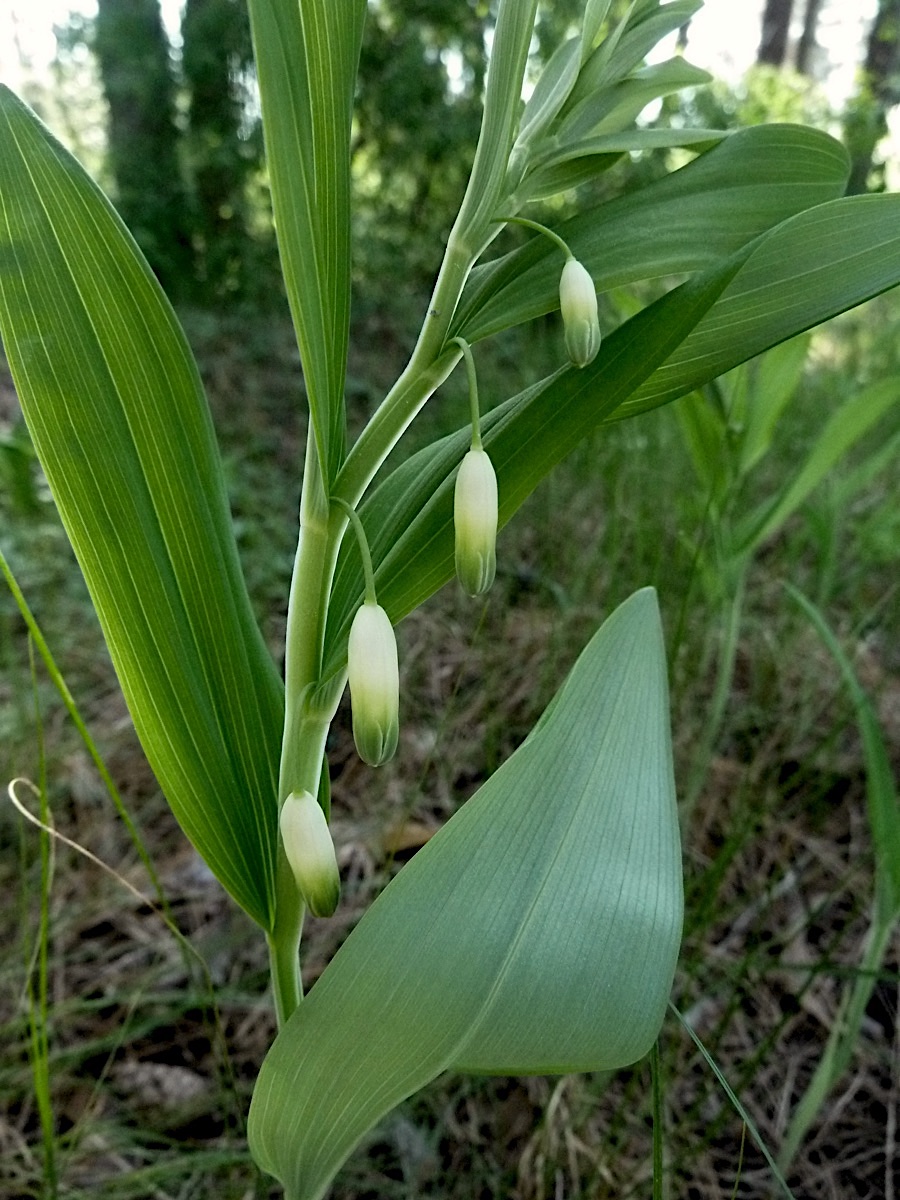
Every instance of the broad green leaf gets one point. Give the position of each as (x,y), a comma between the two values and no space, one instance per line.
(809,268)
(687,221)
(537,932)
(845,426)
(120,424)
(306,58)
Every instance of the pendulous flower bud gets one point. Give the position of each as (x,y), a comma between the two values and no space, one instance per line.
(578,303)
(475,523)
(374,684)
(310,852)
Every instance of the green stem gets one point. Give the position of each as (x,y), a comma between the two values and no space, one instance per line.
(309,709)
(539,228)
(306,720)
(428,367)
(473,231)
(473,391)
(363,543)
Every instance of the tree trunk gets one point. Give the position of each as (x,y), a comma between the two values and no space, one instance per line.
(806,47)
(216,54)
(865,121)
(133,53)
(776,24)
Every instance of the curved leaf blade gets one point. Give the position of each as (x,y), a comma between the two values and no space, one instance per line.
(687,221)
(536,933)
(120,423)
(806,270)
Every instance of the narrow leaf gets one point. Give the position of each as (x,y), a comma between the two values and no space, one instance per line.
(306,57)
(846,425)
(537,932)
(881,786)
(772,381)
(611,109)
(116,409)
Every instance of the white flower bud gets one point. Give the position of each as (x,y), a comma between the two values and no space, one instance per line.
(310,852)
(374,684)
(578,303)
(475,522)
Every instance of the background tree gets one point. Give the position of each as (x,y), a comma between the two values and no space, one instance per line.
(776,24)
(143,138)
(865,121)
(419,90)
(807,45)
(222,149)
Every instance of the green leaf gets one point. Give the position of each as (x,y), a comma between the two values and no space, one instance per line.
(627,46)
(306,56)
(771,381)
(703,432)
(594,15)
(687,221)
(809,268)
(844,427)
(556,81)
(536,933)
(612,108)
(120,423)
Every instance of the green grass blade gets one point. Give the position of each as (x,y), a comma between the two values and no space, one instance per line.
(737,1105)
(119,421)
(687,221)
(536,933)
(306,57)
(703,430)
(842,1039)
(771,382)
(58,680)
(38,964)
(846,425)
(881,786)
(884,822)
